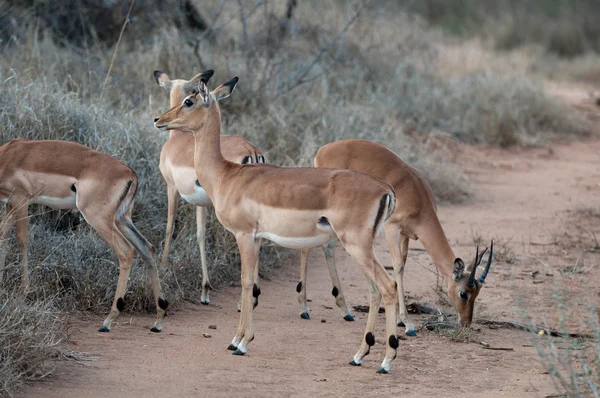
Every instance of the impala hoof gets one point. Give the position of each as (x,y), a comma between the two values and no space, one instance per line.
(411,333)
(305,315)
(354,363)
(349,318)
(104,329)
(382,371)
(155,330)
(204,301)
(232,347)
(238,352)
(401,324)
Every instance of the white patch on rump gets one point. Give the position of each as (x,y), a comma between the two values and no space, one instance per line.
(55,203)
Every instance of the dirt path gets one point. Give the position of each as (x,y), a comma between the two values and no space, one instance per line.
(538,205)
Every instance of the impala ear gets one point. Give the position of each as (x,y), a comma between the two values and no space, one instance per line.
(162,79)
(459,268)
(225,89)
(204,76)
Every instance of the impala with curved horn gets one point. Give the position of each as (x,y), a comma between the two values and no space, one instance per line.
(414,218)
(293,207)
(177,168)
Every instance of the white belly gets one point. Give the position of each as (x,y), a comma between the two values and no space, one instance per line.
(297,242)
(198,198)
(55,203)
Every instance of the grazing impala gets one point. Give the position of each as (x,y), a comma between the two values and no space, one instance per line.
(294,207)
(414,218)
(177,168)
(66,175)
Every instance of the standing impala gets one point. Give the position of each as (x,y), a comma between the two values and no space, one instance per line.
(414,218)
(294,207)
(66,175)
(177,168)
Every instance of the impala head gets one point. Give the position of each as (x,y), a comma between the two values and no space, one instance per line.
(464,286)
(180,88)
(191,113)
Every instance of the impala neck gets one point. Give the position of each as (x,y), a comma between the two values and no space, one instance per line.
(435,243)
(208,159)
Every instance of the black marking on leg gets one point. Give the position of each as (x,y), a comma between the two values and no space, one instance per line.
(104,329)
(382,204)
(197,183)
(120,304)
(73,188)
(256,290)
(299,287)
(335,291)
(393,342)
(163,304)
(370,339)
(255,302)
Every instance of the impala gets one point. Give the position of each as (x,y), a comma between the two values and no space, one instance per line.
(177,168)
(66,175)
(413,218)
(294,207)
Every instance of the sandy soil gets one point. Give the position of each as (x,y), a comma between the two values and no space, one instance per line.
(541,205)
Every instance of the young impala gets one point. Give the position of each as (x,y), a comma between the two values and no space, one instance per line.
(294,207)
(66,175)
(414,218)
(177,168)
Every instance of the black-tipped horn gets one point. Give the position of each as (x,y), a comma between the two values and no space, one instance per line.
(471,281)
(487,266)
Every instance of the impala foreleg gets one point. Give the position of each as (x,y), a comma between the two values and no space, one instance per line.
(301,287)
(336,291)
(201,235)
(398,247)
(22,227)
(172,202)
(249,251)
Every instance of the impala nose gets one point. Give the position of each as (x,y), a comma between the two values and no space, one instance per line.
(155,119)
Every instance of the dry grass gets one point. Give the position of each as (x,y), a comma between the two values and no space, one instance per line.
(30,332)
(322,75)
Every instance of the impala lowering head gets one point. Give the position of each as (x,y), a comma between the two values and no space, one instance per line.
(190,114)
(464,286)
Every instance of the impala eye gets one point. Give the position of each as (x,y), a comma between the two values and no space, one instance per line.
(188,102)
(261,159)
(463,295)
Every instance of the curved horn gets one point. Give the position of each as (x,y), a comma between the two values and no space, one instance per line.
(471,281)
(487,266)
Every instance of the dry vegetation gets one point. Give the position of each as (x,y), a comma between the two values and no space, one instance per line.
(309,74)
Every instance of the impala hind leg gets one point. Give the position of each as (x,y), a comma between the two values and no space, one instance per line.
(172,202)
(21,218)
(5,227)
(249,251)
(200,236)
(301,287)
(336,291)
(398,246)
(382,286)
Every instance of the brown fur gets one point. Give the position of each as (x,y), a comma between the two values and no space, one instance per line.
(285,204)
(68,175)
(414,217)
